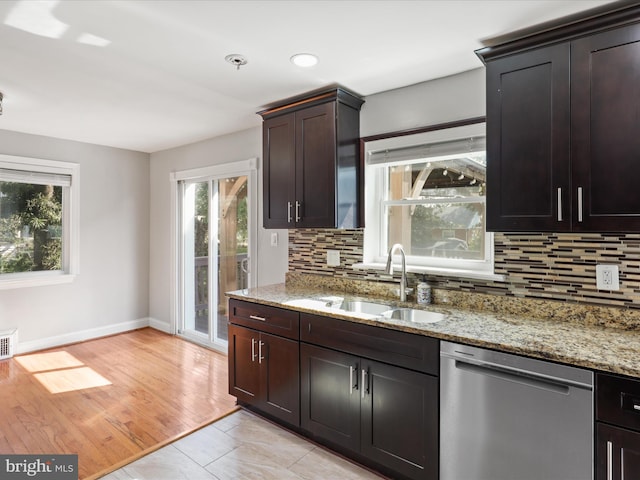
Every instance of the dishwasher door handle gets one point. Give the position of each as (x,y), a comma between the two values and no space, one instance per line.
(527,378)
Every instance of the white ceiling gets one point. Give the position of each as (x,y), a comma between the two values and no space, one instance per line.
(150,75)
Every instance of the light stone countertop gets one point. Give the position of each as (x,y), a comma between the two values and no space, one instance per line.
(599,347)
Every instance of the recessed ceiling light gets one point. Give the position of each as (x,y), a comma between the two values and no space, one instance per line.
(304,59)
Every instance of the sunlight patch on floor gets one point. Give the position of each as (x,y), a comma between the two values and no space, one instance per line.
(71,379)
(60,372)
(40,362)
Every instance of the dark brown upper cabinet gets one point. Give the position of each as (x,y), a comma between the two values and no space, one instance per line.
(311,156)
(563,128)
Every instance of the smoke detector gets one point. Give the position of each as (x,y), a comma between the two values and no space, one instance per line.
(236,59)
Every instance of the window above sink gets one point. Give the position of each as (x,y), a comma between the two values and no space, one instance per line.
(426,191)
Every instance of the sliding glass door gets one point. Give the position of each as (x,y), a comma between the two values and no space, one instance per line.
(214,253)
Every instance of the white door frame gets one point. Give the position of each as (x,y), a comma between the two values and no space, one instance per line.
(245,167)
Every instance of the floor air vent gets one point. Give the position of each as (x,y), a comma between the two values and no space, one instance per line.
(7,341)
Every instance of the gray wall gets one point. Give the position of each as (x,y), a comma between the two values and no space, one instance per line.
(112,290)
(429,103)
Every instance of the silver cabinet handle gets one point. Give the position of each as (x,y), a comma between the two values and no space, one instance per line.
(260,357)
(289,212)
(559,204)
(298,204)
(353,385)
(351,380)
(253,349)
(621,463)
(609,460)
(256,317)
(579,204)
(362,384)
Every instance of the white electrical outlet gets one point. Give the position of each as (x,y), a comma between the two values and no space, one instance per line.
(607,277)
(274,239)
(333,258)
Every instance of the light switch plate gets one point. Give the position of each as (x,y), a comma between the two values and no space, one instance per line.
(607,277)
(333,258)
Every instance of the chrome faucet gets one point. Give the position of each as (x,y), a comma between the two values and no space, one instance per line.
(389,270)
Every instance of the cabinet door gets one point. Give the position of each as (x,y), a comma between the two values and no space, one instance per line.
(618,455)
(280,377)
(528,141)
(278,171)
(244,374)
(400,420)
(330,396)
(605,96)
(316,166)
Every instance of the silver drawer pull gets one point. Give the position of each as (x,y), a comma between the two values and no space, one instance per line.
(256,317)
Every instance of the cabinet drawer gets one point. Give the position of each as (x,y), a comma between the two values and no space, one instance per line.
(277,321)
(390,346)
(618,400)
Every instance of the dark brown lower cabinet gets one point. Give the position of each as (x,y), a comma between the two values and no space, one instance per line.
(330,395)
(264,372)
(618,453)
(368,392)
(384,413)
(244,375)
(617,427)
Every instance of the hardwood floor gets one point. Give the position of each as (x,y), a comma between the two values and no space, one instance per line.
(110,400)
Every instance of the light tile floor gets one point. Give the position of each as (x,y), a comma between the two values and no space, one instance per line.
(241,446)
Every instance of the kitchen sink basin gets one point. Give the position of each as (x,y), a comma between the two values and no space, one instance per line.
(360,306)
(413,315)
(366,309)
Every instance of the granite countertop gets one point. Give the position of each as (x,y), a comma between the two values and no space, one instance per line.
(594,346)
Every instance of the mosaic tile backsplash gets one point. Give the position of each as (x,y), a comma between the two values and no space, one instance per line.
(537,266)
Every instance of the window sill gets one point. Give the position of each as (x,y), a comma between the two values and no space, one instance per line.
(34,280)
(445,272)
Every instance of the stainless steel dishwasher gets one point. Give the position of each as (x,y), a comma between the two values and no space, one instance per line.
(506,417)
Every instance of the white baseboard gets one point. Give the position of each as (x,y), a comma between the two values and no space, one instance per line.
(160,325)
(50,342)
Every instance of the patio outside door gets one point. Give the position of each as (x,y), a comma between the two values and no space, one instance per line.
(214,254)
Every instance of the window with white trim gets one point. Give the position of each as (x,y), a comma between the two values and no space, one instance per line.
(38,221)
(426,191)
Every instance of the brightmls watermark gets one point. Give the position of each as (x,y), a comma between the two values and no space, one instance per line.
(40,467)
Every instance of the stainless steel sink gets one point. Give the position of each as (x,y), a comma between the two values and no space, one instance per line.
(413,315)
(361,306)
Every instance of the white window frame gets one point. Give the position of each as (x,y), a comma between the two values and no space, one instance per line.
(375,233)
(70,222)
